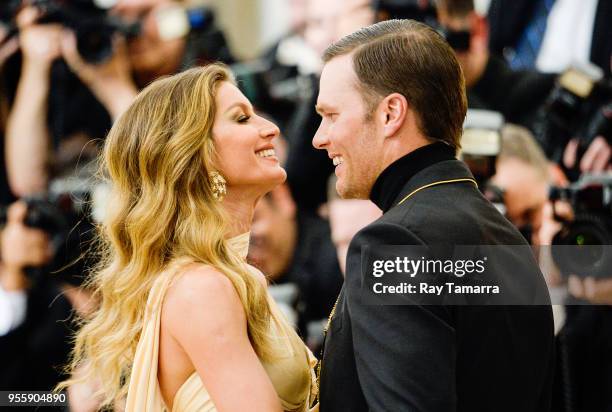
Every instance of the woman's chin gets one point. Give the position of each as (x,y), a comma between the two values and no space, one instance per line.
(271,180)
(279,178)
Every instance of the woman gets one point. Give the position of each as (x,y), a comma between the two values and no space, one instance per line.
(184,323)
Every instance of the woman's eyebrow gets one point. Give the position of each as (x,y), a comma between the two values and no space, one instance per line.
(242,105)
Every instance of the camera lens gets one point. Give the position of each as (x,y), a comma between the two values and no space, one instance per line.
(582,247)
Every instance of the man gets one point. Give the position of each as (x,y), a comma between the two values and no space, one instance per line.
(493,85)
(294,246)
(522,175)
(392,101)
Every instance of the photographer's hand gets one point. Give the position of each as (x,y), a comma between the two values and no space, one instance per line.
(21,246)
(598,291)
(40,43)
(111,81)
(596,158)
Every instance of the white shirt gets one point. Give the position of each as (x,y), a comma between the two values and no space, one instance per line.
(12,309)
(569,31)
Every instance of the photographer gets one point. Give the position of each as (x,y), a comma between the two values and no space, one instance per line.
(523,180)
(113,83)
(493,85)
(585,342)
(58,109)
(34,334)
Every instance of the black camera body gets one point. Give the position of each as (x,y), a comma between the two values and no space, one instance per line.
(583,246)
(65,217)
(579,106)
(93,26)
(8,10)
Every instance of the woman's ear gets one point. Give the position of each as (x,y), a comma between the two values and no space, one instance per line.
(394,109)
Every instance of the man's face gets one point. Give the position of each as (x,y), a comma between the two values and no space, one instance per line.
(456,24)
(273,232)
(525,192)
(353,142)
(328,21)
(149,53)
(473,59)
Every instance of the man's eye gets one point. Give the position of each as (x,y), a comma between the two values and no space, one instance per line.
(243,119)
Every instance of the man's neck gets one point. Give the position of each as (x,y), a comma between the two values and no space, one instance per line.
(390,182)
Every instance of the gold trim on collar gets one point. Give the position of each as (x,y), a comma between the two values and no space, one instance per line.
(435,184)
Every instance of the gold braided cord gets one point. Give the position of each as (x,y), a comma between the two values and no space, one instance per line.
(441,182)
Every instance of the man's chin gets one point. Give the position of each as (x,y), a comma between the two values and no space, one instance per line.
(349,193)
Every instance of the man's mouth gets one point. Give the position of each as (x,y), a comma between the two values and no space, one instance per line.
(337,160)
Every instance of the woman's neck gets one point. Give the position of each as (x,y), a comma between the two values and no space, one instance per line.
(240,210)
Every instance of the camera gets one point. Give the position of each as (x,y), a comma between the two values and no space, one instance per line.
(65,215)
(583,245)
(580,106)
(459,40)
(481,143)
(8,10)
(93,26)
(275,89)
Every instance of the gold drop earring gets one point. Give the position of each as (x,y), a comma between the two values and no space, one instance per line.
(218,185)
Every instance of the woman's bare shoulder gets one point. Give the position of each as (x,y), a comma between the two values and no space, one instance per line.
(203,297)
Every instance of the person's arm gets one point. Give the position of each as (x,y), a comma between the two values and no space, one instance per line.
(204,314)
(27,137)
(405,354)
(111,81)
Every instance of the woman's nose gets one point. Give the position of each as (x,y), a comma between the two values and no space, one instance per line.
(269,130)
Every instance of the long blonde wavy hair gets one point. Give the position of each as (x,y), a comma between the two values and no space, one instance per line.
(156,158)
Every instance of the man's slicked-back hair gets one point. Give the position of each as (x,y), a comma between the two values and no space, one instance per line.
(410,58)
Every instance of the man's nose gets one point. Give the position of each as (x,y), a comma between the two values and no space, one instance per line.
(320,140)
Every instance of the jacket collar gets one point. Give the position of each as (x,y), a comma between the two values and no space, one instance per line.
(399,176)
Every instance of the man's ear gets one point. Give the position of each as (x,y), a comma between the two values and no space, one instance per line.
(394,110)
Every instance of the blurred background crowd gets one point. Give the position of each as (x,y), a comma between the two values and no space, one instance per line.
(537,137)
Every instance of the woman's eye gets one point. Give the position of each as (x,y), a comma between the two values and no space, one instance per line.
(243,119)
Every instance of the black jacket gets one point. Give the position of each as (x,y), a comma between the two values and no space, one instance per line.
(436,358)
(33,355)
